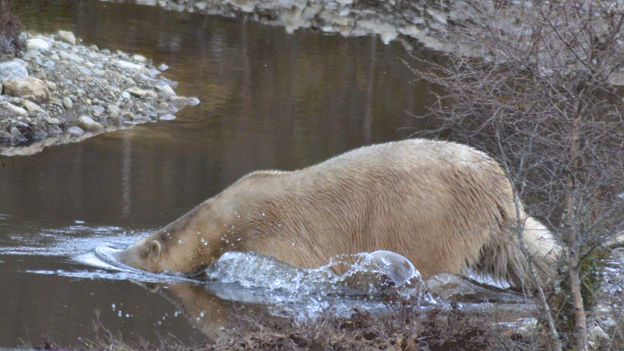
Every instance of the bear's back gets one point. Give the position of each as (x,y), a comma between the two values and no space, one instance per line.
(423,199)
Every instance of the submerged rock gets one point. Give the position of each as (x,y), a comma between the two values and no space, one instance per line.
(455,288)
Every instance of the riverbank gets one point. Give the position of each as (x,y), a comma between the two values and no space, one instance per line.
(60,91)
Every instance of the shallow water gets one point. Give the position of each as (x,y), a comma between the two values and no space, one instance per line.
(269,100)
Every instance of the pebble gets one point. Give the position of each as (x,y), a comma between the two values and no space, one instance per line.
(167,117)
(139,58)
(51,85)
(193,101)
(78,89)
(74,130)
(71,56)
(85,71)
(134,91)
(129,65)
(113,110)
(165,89)
(68,103)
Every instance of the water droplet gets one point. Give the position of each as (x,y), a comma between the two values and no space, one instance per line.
(279,225)
(179,241)
(192,101)
(263,214)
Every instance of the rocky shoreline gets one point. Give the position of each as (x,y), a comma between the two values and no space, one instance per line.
(60,92)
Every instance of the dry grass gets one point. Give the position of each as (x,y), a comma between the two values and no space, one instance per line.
(408,329)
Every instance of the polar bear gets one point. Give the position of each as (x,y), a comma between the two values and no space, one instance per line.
(445,206)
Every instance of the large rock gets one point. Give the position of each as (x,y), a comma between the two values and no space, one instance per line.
(88,124)
(28,88)
(37,44)
(31,106)
(67,37)
(71,56)
(130,65)
(12,69)
(16,110)
(141,93)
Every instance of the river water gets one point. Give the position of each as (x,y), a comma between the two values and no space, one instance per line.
(269,100)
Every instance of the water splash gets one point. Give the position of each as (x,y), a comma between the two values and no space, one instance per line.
(92,255)
(66,241)
(368,274)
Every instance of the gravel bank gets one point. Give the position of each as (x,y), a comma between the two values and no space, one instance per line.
(60,91)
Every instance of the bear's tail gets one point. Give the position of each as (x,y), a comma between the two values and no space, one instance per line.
(505,259)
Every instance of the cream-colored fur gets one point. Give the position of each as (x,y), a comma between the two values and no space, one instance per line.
(445,206)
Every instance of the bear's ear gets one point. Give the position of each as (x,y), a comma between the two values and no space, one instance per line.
(154,249)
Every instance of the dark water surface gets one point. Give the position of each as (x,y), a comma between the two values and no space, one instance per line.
(269,100)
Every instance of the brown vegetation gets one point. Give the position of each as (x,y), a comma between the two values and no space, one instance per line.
(408,329)
(10,28)
(543,102)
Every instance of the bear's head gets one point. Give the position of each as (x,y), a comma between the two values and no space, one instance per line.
(185,245)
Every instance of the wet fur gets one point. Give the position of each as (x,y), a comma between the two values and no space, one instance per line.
(445,206)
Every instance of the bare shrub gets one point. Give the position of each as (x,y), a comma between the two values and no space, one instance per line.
(541,98)
(10,28)
(409,328)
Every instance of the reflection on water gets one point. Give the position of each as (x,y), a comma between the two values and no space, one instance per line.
(126,187)
(269,100)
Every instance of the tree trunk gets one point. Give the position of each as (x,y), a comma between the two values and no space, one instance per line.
(572,239)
